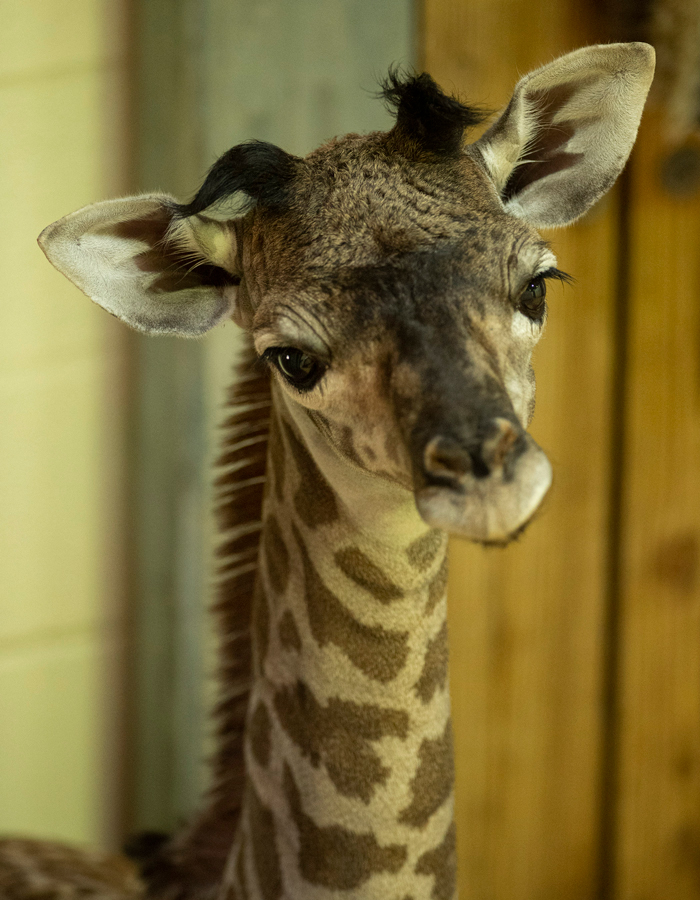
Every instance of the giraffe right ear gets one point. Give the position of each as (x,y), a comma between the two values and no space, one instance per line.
(567,132)
(158,273)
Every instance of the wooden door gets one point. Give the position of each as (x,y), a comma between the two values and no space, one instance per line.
(576,651)
(657,713)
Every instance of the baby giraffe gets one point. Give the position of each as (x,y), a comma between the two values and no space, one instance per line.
(393,288)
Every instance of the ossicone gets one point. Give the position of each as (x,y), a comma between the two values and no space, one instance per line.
(427,118)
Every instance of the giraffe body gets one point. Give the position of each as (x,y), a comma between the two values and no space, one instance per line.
(394,284)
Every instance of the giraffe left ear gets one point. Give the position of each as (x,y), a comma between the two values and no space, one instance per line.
(568,131)
(157,272)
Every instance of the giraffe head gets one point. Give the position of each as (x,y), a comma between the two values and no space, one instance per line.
(395,282)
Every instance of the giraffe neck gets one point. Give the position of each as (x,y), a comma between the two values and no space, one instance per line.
(349,744)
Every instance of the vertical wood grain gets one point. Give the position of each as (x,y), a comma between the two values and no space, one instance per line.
(527,623)
(658,820)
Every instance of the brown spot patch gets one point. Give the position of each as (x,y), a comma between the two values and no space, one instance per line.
(422,552)
(437,588)
(339,736)
(264,842)
(276,554)
(379,653)
(277,457)
(391,448)
(314,499)
(442,864)
(341,437)
(346,445)
(321,422)
(433,782)
(260,734)
(44,870)
(435,666)
(261,625)
(335,857)
(360,569)
(289,633)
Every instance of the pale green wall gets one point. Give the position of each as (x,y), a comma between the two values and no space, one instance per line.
(62,140)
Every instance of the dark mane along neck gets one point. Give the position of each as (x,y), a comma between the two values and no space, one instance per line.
(192,863)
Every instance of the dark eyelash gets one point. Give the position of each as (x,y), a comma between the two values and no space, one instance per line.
(564,277)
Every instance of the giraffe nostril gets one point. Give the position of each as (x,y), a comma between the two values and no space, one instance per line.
(444,458)
(499,444)
(449,461)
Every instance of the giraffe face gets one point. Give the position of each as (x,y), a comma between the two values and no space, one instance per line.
(410,344)
(395,279)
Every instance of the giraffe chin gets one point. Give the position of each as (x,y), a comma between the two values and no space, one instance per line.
(489,510)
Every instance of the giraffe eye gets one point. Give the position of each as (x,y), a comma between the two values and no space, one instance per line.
(300,370)
(532,299)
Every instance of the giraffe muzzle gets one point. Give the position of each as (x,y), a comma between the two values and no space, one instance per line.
(485,491)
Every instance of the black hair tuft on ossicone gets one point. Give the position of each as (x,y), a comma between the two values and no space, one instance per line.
(426,115)
(261,171)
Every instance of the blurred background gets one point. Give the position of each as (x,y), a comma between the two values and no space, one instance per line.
(575,653)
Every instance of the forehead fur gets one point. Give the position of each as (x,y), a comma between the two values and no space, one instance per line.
(359,203)
(371,235)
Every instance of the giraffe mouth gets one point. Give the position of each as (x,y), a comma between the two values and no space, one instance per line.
(492,508)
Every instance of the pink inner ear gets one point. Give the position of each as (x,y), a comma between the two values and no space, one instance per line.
(178,271)
(545,155)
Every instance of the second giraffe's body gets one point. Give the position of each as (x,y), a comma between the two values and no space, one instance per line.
(393,288)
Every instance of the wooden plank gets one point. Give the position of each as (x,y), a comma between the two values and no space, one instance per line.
(527,624)
(658,821)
